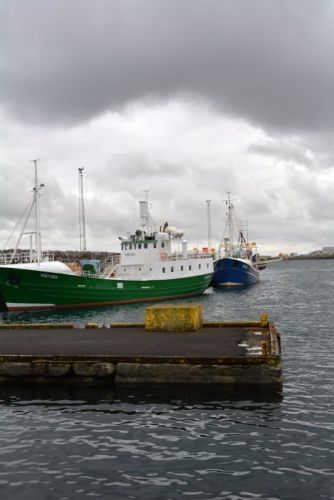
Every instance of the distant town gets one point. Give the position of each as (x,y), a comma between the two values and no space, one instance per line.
(324,253)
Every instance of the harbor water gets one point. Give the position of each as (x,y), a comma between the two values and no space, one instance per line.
(173,442)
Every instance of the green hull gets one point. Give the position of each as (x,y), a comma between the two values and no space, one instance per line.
(23,289)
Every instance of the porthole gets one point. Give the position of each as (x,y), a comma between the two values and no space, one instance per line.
(14,279)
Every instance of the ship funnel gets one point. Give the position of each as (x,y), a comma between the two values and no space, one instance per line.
(143,206)
(184,249)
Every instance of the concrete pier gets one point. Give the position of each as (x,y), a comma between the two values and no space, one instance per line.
(242,353)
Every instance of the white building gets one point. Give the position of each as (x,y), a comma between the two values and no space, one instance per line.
(327,250)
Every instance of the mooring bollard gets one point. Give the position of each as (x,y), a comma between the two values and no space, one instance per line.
(174,318)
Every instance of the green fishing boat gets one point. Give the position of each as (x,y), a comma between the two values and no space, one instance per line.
(153,265)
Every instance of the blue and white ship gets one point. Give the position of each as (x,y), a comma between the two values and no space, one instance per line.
(235,264)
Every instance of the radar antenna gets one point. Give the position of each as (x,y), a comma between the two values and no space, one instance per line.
(209,223)
(82,218)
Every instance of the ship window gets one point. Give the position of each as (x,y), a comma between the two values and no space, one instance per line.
(155,245)
(130,247)
(189,268)
(199,266)
(181,268)
(172,269)
(162,244)
(207,266)
(163,269)
(140,269)
(139,245)
(14,279)
(145,245)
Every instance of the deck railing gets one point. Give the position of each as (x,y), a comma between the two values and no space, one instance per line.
(24,257)
(191,255)
(109,265)
(106,269)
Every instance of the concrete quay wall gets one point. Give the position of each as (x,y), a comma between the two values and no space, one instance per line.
(132,372)
(173,346)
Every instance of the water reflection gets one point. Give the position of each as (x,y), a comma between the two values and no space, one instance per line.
(171,442)
(180,394)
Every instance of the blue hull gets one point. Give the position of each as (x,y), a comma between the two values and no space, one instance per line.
(229,271)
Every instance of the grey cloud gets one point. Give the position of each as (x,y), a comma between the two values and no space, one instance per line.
(267,61)
(288,150)
(135,166)
(309,150)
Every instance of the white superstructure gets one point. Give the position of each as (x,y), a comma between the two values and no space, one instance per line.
(160,254)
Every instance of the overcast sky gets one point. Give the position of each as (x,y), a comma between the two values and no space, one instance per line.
(188,99)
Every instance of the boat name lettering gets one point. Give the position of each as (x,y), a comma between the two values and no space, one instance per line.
(52,276)
(130,254)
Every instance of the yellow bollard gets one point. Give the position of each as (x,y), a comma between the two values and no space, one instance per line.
(174,318)
(264,319)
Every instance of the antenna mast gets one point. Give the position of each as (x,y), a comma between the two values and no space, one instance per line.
(209,223)
(36,190)
(82,218)
(230,221)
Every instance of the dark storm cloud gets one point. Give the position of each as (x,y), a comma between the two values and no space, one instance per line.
(268,61)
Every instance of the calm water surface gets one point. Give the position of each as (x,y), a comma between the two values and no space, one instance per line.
(180,442)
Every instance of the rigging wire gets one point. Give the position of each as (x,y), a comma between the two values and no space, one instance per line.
(26,210)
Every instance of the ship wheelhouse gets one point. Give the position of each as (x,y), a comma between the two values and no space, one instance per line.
(159,254)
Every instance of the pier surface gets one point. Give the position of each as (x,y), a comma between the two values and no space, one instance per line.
(128,343)
(244,353)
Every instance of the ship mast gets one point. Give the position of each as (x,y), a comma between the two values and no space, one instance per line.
(209,223)
(230,220)
(36,190)
(82,218)
(144,212)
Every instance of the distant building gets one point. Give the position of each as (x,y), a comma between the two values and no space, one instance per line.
(327,250)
